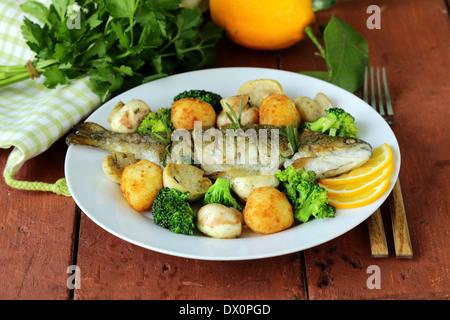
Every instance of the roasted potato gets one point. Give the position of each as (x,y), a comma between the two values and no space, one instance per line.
(141,183)
(278,110)
(234,102)
(243,186)
(309,109)
(185,111)
(126,119)
(323,101)
(312,110)
(219,221)
(260,89)
(114,164)
(116,109)
(248,116)
(268,211)
(185,177)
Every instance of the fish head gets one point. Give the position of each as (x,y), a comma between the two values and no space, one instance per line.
(330,156)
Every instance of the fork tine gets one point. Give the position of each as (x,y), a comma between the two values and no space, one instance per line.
(366,85)
(372,91)
(380,94)
(390,111)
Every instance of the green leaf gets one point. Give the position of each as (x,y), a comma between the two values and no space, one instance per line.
(125,69)
(119,29)
(53,77)
(187,23)
(61,51)
(347,55)
(33,33)
(121,8)
(37,9)
(61,7)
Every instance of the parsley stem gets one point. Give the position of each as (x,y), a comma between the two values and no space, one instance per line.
(17,73)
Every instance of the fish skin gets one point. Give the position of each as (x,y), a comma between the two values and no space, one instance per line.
(142,146)
(329,156)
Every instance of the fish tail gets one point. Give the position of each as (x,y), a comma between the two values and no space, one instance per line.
(87,133)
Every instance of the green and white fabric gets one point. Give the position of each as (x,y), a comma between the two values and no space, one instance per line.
(33,117)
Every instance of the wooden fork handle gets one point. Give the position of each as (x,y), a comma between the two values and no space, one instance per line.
(402,240)
(377,236)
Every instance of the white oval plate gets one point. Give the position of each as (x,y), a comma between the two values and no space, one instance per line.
(102,200)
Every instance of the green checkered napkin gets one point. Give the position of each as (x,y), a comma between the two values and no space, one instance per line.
(33,117)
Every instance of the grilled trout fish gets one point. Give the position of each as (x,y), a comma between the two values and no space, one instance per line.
(329,156)
(252,150)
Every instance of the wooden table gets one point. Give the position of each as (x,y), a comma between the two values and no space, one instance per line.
(43,234)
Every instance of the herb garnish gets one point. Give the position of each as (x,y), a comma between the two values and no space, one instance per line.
(292,135)
(117,43)
(235,120)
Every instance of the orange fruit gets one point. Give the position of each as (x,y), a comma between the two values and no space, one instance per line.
(263,24)
(381,158)
(360,199)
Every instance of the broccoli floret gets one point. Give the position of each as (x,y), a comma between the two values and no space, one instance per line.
(171,211)
(204,95)
(220,192)
(337,122)
(306,196)
(156,122)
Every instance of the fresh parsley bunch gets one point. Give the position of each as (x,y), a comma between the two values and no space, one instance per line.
(117,43)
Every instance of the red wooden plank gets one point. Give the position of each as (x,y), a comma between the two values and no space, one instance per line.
(36,232)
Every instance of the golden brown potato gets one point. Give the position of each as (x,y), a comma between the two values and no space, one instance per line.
(268,211)
(185,177)
(185,111)
(260,89)
(278,110)
(141,183)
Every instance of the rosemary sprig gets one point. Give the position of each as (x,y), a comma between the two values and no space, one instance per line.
(292,135)
(235,120)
